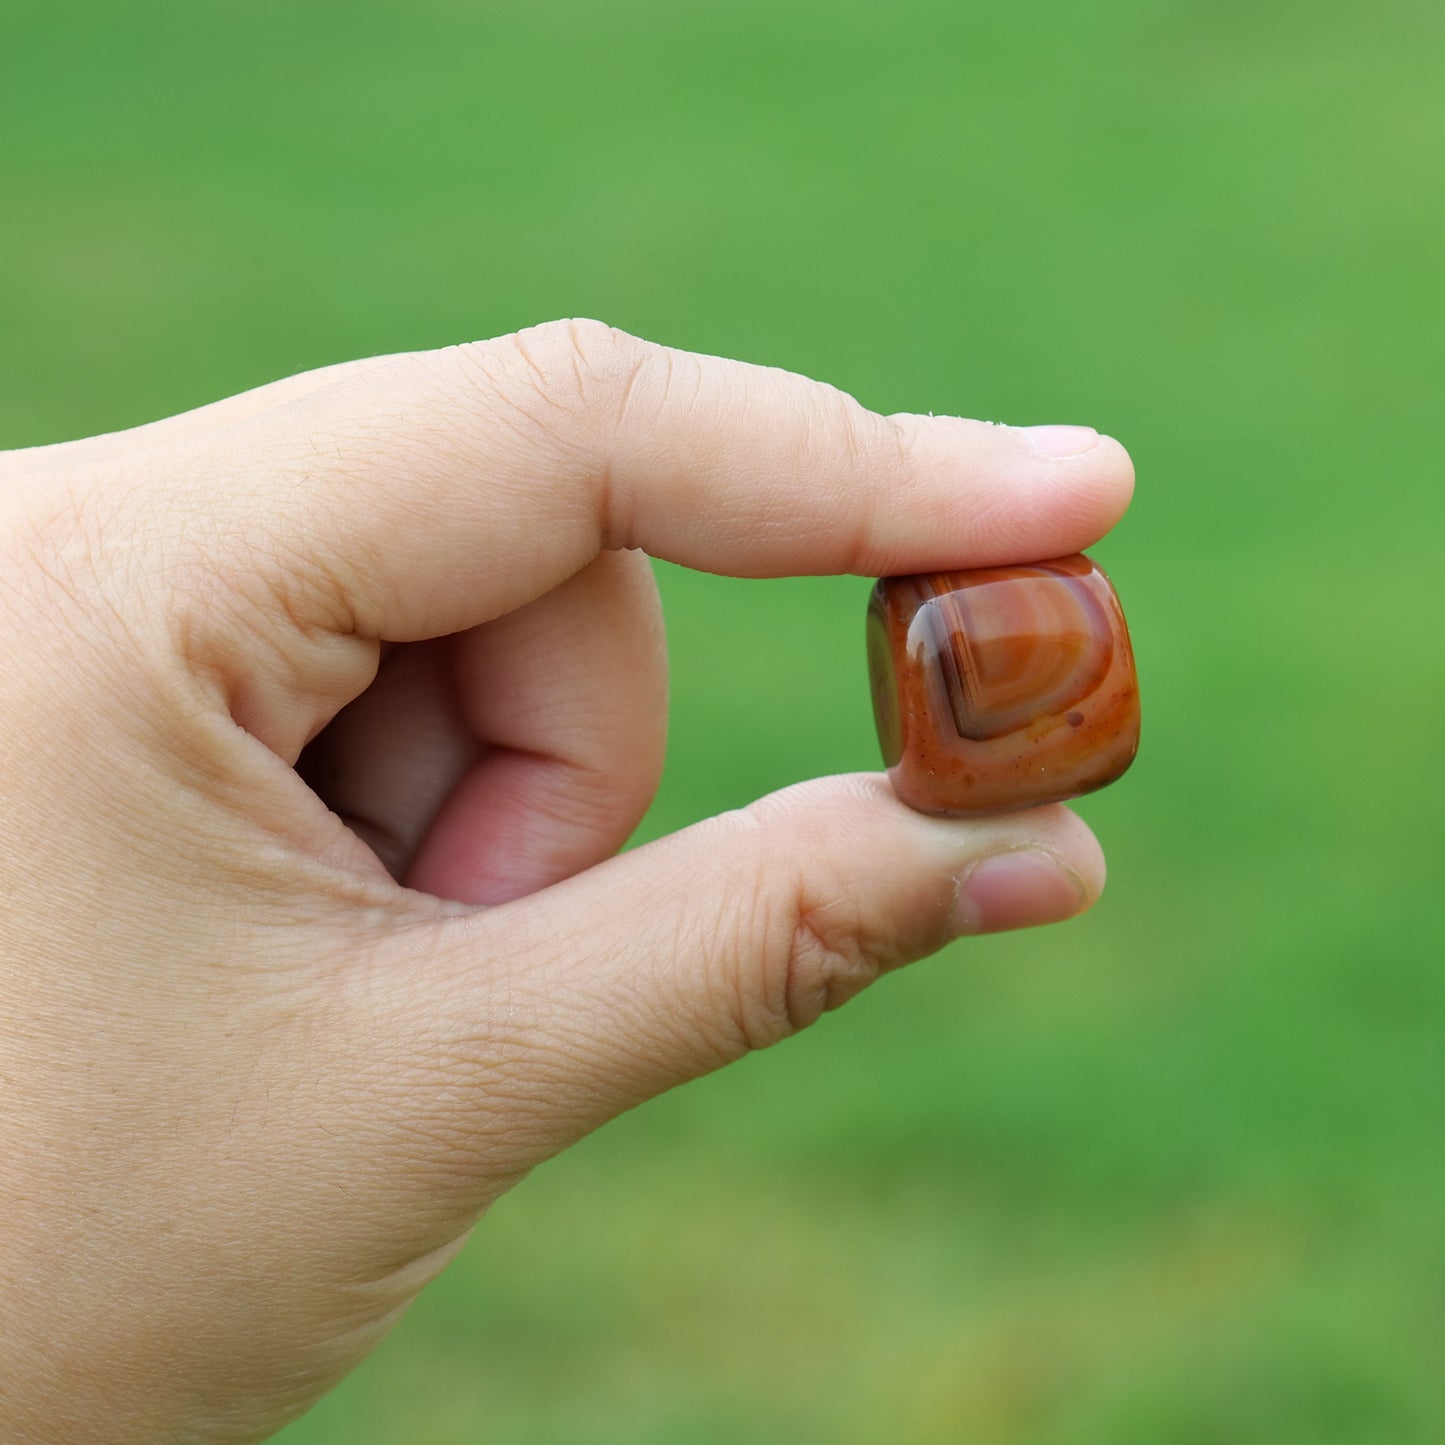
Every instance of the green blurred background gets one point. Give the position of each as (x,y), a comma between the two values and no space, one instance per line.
(1173,1172)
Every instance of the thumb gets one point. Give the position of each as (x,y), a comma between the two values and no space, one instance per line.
(561,1010)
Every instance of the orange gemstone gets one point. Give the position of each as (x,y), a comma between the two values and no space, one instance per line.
(1002,687)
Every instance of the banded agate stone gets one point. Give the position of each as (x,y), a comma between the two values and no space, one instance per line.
(1002,687)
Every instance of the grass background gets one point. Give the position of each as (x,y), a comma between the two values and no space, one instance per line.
(1173,1172)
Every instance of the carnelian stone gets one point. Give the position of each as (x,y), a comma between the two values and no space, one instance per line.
(1002,687)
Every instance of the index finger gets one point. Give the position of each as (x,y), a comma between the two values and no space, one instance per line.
(436,490)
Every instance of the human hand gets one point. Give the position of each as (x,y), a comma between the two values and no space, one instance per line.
(325,709)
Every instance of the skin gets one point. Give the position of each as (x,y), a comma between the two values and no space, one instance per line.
(326,710)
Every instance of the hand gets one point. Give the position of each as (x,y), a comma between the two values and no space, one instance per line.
(325,710)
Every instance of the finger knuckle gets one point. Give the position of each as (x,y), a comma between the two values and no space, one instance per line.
(829,961)
(565,380)
(582,361)
(608,375)
(595,344)
(809,950)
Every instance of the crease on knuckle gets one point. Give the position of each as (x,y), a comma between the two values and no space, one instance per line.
(894,453)
(584,367)
(856,427)
(829,961)
(611,384)
(578,386)
(814,957)
(880,462)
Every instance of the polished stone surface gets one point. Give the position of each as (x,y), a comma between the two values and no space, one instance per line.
(1002,687)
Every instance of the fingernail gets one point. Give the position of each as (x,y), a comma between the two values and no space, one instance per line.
(1016,889)
(1061,441)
